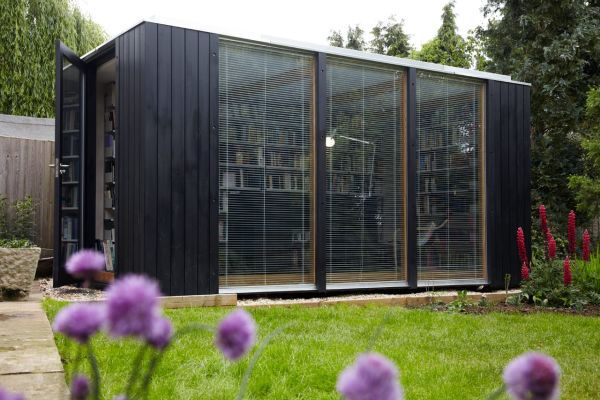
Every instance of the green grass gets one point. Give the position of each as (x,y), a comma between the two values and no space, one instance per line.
(440,355)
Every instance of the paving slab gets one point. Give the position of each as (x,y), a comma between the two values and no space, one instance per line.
(29,360)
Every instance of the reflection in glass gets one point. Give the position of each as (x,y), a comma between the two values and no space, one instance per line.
(365,172)
(449,195)
(265,112)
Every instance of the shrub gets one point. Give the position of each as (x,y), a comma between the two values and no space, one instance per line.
(549,279)
(17,228)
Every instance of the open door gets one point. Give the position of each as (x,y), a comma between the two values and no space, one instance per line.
(68,173)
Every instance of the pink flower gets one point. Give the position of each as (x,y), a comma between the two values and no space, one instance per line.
(551,247)
(79,321)
(371,377)
(586,246)
(571,233)
(80,387)
(521,246)
(543,219)
(236,334)
(532,376)
(524,272)
(567,278)
(132,306)
(6,395)
(84,264)
(161,333)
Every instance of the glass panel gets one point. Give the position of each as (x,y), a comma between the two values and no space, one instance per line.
(365,172)
(265,112)
(70,166)
(449,194)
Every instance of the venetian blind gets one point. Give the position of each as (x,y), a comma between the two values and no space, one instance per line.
(450,241)
(365,173)
(265,132)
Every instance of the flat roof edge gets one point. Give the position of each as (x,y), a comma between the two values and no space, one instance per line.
(337,51)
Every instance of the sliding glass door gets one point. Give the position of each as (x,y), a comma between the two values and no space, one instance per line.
(265,163)
(365,148)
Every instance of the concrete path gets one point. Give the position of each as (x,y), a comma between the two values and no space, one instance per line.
(29,360)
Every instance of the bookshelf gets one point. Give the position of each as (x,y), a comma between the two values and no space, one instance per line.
(106,243)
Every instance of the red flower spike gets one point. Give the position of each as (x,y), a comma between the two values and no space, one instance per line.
(543,219)
(524,272)
(551,247)
(586,246)
(571,233)
(521,246)
(567,278)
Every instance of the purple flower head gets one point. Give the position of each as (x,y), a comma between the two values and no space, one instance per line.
(84,264)
(371,377)
(161,333)
(80,387)
(236,334)
(132,306)
(120,397)
(532,376)
(6,395)
(79,321)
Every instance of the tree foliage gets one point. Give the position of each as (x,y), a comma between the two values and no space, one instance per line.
(354,38)
(390,39)
(28,29)
(555,46)
(447,47)
(586,186)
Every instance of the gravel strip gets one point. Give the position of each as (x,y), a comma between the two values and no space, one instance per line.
(69,292)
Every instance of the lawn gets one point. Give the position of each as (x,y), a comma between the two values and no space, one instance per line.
(440,355)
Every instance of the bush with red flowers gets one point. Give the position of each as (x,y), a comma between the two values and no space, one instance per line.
(555,276)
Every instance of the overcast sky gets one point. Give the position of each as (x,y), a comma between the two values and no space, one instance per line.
(304,20)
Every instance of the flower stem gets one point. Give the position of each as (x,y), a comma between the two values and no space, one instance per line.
(378,331)
(135,369)
(77,361)
(255,358)
(95,371)
(496,393)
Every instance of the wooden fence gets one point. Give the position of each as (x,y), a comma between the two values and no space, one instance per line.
(24,170)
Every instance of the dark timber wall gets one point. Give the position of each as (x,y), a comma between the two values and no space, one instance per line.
(167,167)
(507,177)
(163,157)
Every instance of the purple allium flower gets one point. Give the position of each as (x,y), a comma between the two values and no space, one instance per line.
(80,387)
(532,376)
(132,306)
(6,395)
(120,397)
(371,377)
(84,264)
(161,333)
(236,334)
(79,321)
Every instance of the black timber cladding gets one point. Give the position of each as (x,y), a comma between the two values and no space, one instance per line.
(163,161)
(167,163)
(507,177)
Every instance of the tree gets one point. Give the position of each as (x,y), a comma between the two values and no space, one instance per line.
(586,186)
(447,47)
(390,39)
(28,29)
(555,47)
(354,38)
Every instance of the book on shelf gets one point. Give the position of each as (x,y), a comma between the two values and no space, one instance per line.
(109,146)
(70,228)
(71,119)
(70,248)
(108,248)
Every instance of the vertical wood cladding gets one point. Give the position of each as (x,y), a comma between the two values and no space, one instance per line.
(163,163)
(508,177)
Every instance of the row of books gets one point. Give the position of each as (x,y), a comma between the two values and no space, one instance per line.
(71,118)
(69,248)
(69,196)
(247,133)
(70,144)
(241,179)
(70,228)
